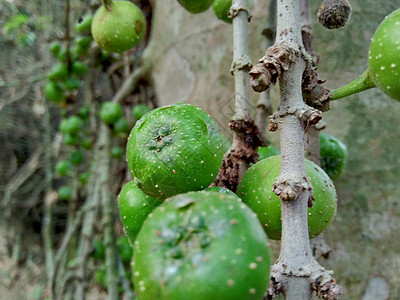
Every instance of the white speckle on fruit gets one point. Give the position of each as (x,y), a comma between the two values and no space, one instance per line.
(252,291)
(259,258)
(253,266)
(393,65)
(382,68)
(124,217)
(238,251)
(230,282)
(136,274)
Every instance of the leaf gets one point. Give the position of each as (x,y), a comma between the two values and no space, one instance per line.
(15,22)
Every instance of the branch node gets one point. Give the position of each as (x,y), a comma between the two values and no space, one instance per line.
(288,188)
(276,60)
(241,63)
(235,9)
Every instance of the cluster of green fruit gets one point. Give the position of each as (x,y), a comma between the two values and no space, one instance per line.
(220,7)
(207,237)
(65,76)
(125,253)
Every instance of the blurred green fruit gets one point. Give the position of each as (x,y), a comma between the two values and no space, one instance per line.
(58,73)
(54,92)
(121,126)
(116,152)
(55,48)
(110,112)
(76,157)
(65,192)
(196,6)
(72,83)
(139,110)
(265,152)
(79,68)
(333,154)
(64,168)
(83,27)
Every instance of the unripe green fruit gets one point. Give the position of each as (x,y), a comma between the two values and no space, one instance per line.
(110,112)
(72,83)
(119,29)
(139,110)
(83,178)
(65,192)
(116,152)
(255,190)
(55,48)
(71,125)
(99,250)
(83,42)
(134,206)
(76,157)
(58,73)
(70,139)
(79,68)
(219,189)
(86,143)
(54,92)
(64,168)
(201,246)
(333,155)
(196,6)
(174,149)
(84,113)
(384,58)
(121,126)
(83,27)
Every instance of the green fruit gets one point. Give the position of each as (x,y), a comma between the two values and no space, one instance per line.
(58,73)
(121,126)
(54,92)
(333,155)
(55,48)
(83,42)
(125,249)
(72,83)
(110,112)
(101,276)
(134,207)
(64,168)
(83,27)
(221,9)
(116,152)
(99,250)
(76,157)
(255,190)
(70,139)
(219,189)
(84,113)
(72,125)
(120,28)
(196,6)
(79,68)
(174,149)
(384,58)
(139,110)
(86,143)
(83,178)
(201,245)
(65,192)
(265,152)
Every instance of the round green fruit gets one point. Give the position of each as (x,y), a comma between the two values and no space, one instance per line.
(174,149)
(265,152)
(255,190)
(384,58)
(121,126)
(116,152)
(110,112)
(76,157)
(120,28)
(64,168)
(84,113)
(70,139)
(54,92)
(79,68)
(72,125)
(83,178)
(221,9)
(134,207)
(196,6)
(83,42)
(86,143)
(333,155)
(55,48)
(139,110)
(65,192)
(83,27)
(72,83)
(201,245)
(58,73)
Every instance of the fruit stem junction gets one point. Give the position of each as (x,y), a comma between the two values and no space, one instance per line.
(107,4)
(361,83)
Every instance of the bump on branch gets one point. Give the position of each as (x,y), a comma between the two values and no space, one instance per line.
(314,94)
(276,60)
(288,188)
(334,14)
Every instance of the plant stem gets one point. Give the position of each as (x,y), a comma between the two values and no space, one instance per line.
(107,4)
(361,83)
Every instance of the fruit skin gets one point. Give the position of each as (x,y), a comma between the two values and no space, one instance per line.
(221,9)
(174,149)
(139,110)
(255,190)
(333,155)
(99,250)
(219,189)
(110,112)
(196,6)
(120,29)
(54,92)
(384,58)
(72,83)
(204,244)
(79,68)
(58,73)
(121,126)
(76,157)
(265,152)
(55,48)
(134,207)
(65,192)
(84,178)
(64,168)
(71,125)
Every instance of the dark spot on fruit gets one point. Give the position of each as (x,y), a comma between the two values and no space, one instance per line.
(138,27)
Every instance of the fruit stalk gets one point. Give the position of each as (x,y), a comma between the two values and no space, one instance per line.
(107,4)
(358,85)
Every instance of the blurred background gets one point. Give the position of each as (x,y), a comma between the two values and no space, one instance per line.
(55,217)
